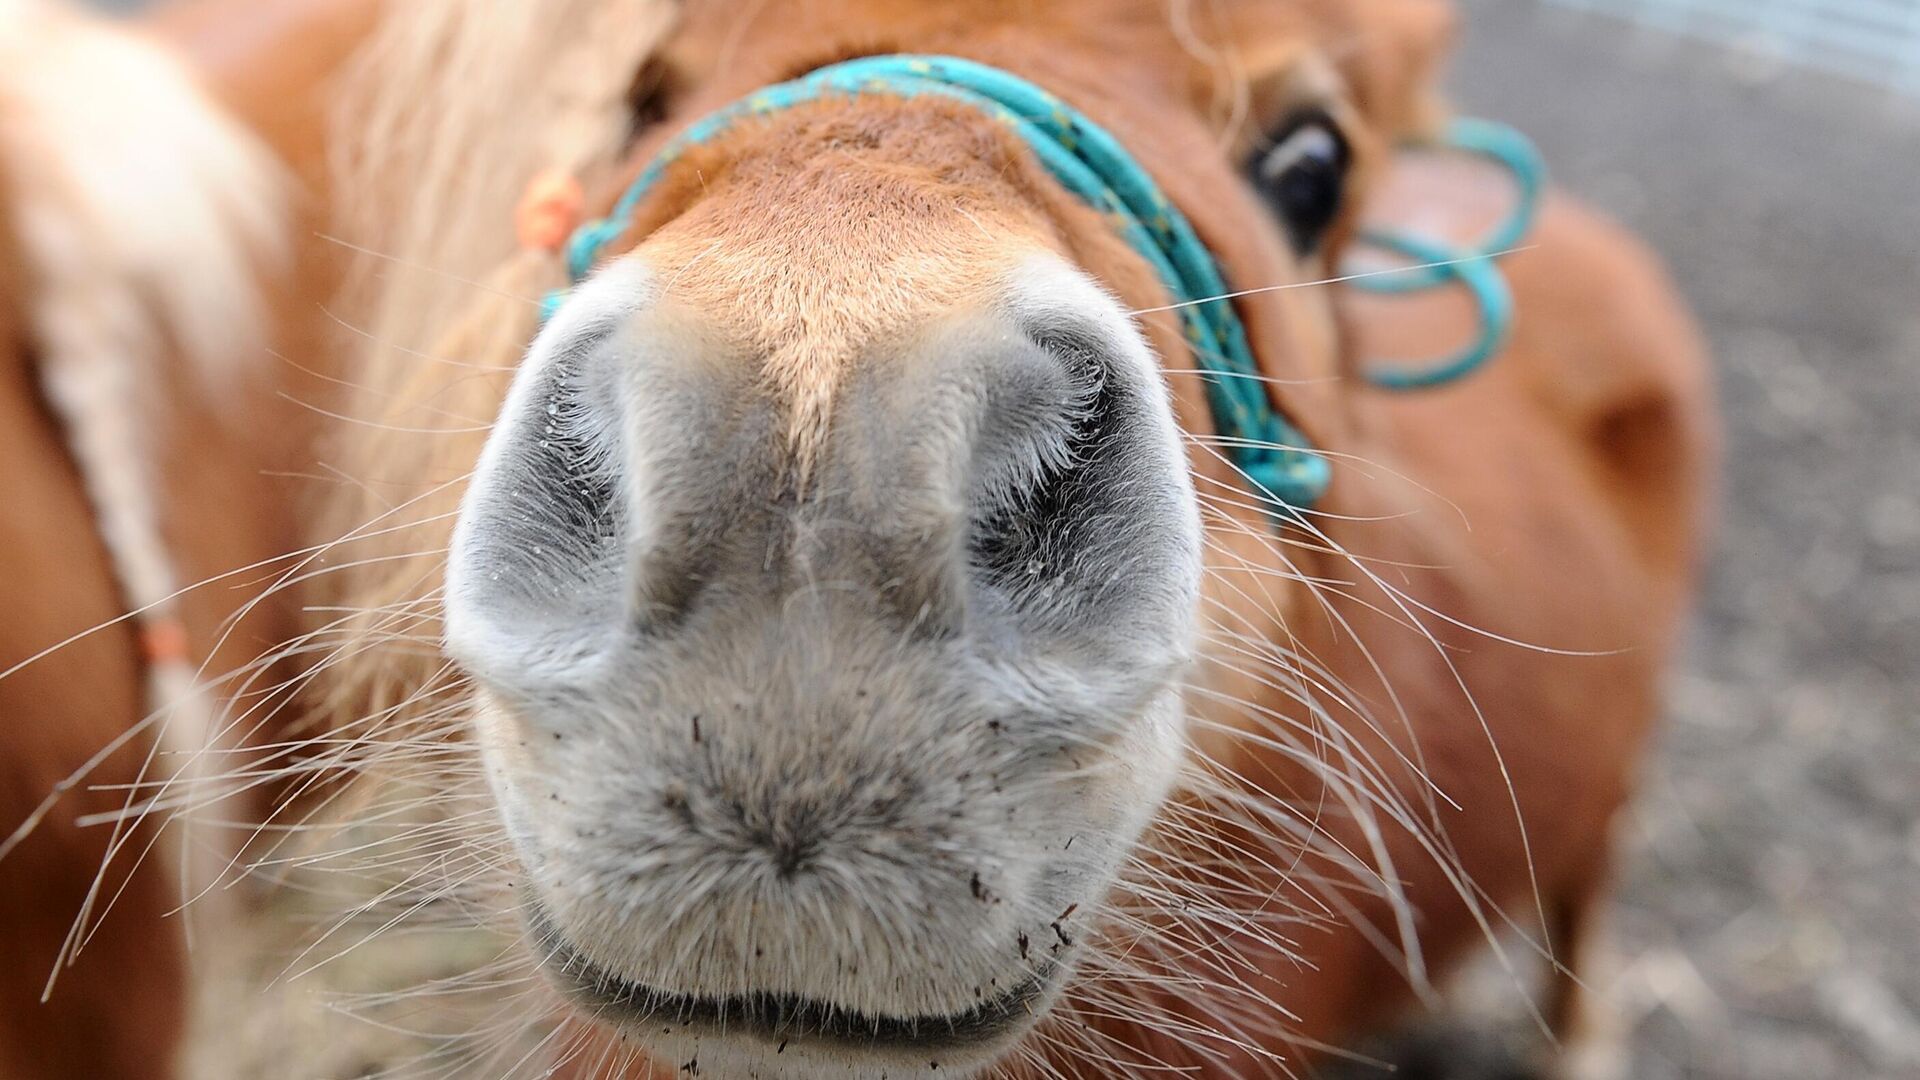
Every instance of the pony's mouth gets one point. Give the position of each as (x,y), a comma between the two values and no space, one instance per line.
(782,1019)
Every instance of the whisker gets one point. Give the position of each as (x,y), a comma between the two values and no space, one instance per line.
(1341,279)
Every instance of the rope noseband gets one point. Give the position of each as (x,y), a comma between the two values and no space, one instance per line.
(1276,459)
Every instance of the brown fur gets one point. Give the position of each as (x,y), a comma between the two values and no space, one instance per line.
(808,299)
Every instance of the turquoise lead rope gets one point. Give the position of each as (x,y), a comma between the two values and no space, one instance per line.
(1275,457)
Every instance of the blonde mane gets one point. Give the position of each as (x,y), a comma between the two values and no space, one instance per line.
(122,171)
(445,118)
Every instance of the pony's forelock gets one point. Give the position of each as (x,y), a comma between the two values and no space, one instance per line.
(452,108)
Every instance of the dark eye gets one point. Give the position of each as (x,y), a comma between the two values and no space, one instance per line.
(1302,173)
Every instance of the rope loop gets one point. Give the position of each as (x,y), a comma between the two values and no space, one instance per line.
(1444,264)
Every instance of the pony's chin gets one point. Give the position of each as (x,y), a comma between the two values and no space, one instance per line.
(701,1050)
(773,1035)
(783,1037)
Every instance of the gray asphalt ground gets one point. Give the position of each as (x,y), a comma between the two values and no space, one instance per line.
(1769,927)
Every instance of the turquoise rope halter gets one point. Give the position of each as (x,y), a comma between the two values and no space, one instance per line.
(1275,457)
(1439,263)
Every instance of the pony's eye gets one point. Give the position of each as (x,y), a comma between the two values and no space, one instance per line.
(1302,174)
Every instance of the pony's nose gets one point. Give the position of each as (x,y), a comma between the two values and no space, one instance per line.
(786,682)
(640,469)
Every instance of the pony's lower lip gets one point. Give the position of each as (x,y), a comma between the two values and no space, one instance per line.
(784,1018)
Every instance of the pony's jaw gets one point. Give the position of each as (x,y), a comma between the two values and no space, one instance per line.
(811,764)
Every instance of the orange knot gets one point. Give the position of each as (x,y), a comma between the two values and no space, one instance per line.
(549,210)
(164,641)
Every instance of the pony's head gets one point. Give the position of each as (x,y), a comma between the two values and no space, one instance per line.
(831,579)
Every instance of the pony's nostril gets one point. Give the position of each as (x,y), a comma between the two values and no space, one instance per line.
(536,567)
(611,487)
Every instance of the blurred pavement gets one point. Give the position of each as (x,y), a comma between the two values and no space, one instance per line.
(1770,925)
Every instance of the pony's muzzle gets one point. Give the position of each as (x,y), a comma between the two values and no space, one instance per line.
(822,715)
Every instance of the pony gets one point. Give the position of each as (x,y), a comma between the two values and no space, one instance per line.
(844,640)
